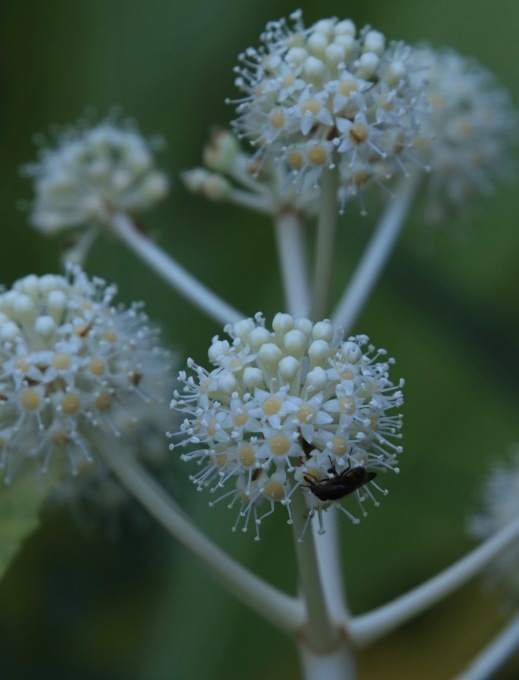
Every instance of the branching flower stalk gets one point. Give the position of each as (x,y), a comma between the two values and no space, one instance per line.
(320,630)
(290,238)
(367,628)
(339,664)
(283,611)
(295,417)
(331,570)
(376,254)
(319,637)
(325,247)
(172,272)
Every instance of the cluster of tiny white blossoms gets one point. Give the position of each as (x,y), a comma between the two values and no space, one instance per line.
(327,95)
(500,506)
(94,495)
(77,373)
(468,129)
(285,410)
(93,173)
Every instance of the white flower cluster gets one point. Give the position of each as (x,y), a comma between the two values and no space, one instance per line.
(330,95)
(294,410)
(327,95)
(468,129)
(500,506)
(77,374)
(94,172)
(94,495)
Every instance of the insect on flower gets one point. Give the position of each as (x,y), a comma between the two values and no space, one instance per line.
(284,403)
(341,484)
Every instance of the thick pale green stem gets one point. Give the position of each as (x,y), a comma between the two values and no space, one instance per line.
(180,279)
(376,255)
(367,628)
(292,259)
(327,227)
(284,612)
(337,665)
(319,632)
(330,568)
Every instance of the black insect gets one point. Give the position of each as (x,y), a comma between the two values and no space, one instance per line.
(341,484)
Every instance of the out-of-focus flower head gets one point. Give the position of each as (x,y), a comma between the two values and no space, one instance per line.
(93,172)
(499,507)
(469,128)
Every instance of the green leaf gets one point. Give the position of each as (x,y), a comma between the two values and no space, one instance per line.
(20,503)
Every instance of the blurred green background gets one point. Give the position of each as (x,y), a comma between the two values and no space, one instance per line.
(78,605)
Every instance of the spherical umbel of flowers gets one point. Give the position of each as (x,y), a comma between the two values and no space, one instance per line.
(94,172)
(469,126)
(283,411)
(499,507)
(329,94)
(76,373)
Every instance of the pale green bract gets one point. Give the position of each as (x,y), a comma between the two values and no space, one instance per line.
(20,505)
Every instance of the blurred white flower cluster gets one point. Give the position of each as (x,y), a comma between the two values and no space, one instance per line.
(468,130)
(93,173)
(499,507)
(77,373)
(286,409)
